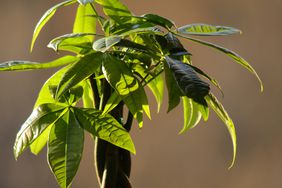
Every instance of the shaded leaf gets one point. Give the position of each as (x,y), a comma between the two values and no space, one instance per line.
(79,71)
(158,20)
(201,29)
(46,17)
(104,127)
(65,148)
(231,54)
(39,120)
(191,114)
(188,81)
(222,114)
(28,65)
(105,43)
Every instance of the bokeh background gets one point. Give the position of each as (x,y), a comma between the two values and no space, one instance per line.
(198,158)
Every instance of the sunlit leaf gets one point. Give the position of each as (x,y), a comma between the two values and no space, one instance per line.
(105,43)
(40,142)
(104,127)
(112,102)
(207,30)
(191,114)
(85,20)
(65,148)
(39,120)
(84,2)
(28,65)
(79,71)
(230,53)
(88,100)
(222,114)
(46,17)
(158,20)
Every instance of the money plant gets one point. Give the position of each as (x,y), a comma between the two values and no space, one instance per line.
(112,56)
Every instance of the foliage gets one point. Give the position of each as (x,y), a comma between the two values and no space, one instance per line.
(109,70)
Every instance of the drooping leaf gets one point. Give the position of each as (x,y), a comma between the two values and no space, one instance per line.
(115,10)
(46,17)
(191,114)
(28,65)
(106,43)
(201,29)
(229,53)
(174,46)
(188,81)
(85,21)
(65,148)
(222,114)
(78,43)
(39,120)
(119,75)
(104,127)
(79,71)
(84,2)
(158,20)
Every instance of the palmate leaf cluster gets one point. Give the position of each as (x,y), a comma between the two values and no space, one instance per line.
(131,53)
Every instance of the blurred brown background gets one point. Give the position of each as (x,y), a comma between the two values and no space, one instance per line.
(199,158)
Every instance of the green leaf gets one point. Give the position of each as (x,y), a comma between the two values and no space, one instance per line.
(119,75)
(39,143)
(79,71)
(174,92)
(191,114)
(85,21)
(201,29)
(230,53)
(158,20)
(106,43)
(222,114)
(78,43)
(104,127)
(112,102)
(46,17)
(115,10)
(88,100)
(65,148)
(28,65)
(39,120)
(84,2)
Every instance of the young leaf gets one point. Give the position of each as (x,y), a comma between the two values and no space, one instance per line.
(42,117)
(222,114)
(115,10)
(46,17)
(65,148)
(188,81)
(201,29)
(85,20)
(106,43)
(158,20)
(230,53)
(79,71)
(191,113)
(78,43)
(84,2)
(104,127)
(28,65)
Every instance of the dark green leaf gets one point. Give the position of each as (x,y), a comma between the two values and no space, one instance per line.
(46,17)
(85,21)
(191,114)
(115,10)
(28,65)
(158,20)
(42,117)
(222,114)
(188,81)
(106,43)
(84,2)
(231,54)
(104,127)
(65,148)
(79,71)
(201,29)
(78,43)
